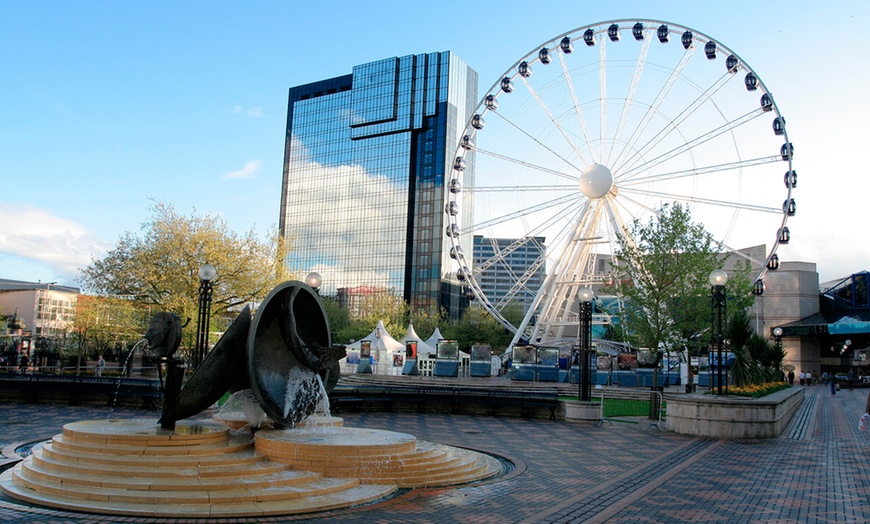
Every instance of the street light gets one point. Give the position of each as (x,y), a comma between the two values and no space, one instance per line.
(207,273)
(585,335)
(313,279)
(718,279)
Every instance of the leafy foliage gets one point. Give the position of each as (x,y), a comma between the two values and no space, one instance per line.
(664,265)
(159,268)
(477,326)
(756,360)
(105,323)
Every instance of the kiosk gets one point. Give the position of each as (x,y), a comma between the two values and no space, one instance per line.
(365,357)
(524,359)
(446,359)
(481,360)
(547,365)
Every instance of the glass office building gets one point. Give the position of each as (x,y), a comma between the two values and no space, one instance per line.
(365,160)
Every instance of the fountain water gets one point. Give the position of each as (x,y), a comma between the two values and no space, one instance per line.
(127,362)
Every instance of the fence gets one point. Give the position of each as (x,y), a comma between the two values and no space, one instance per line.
(632,406)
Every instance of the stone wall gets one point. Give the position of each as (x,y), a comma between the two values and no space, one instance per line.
(733,417)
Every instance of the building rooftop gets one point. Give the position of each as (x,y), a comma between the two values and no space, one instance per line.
(21,285)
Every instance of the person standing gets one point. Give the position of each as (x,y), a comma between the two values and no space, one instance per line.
(791,377)
(23,362)
(98,371)
(865,418)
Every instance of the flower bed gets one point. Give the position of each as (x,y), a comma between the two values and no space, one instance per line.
(756,390)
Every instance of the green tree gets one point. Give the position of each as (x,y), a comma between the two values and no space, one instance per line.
(103,323)
(476,326)
(668,261)
(159,268)
(386,307)
(425,322)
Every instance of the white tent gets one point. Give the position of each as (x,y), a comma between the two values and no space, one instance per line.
(383,348)
(436,336)
(423,348)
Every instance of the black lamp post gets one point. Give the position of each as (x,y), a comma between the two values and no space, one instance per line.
(207,273)
(586,295)
(718,279)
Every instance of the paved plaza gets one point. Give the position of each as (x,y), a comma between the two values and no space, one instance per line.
(818,470)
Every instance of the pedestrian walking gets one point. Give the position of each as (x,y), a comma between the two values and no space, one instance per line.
(835,385)
(809,378)
(802,377)
(98,370)
(791,377)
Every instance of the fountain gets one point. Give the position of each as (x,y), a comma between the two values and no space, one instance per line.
(272,450)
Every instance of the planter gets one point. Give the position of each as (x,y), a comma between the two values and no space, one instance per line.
(733,417)
(579,411)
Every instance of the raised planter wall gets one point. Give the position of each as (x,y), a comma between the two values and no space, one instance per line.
(733,417)
(575,410)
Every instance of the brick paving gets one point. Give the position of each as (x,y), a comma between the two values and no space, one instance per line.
(817,471)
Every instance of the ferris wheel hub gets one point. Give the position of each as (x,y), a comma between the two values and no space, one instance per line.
(596,181)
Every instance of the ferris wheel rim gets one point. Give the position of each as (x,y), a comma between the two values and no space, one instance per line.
(532,58)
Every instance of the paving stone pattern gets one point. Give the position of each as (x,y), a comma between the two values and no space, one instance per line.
(817,471)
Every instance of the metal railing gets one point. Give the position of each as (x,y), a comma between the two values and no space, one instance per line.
(625,405)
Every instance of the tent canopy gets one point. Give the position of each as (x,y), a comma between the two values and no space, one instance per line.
(423,348)
(380,340)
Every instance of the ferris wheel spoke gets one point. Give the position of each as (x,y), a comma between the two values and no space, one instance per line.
(625,199)
(538,142)
(552,118)
(602,95)
(629,97)
(674,124)
(520,213)
(521,282)
(691,144)
(755,261)
(707,201)
(569,81)
(653,108)
(731,166)
(501,254)
(515,189)
(529,165)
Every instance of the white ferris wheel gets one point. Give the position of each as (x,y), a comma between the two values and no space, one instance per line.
(597,128)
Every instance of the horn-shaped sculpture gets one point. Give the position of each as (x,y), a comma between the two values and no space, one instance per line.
(277,354)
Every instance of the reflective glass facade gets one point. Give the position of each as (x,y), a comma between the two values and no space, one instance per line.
(364,167)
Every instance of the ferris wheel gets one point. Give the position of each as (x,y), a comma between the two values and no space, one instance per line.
(593,130)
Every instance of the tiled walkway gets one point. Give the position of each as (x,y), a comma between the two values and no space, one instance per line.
(817,471)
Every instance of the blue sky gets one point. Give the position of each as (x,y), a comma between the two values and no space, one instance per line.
(106,106)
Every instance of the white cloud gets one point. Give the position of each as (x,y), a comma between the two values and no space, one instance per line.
(250,111)
(248,171)
(361,211)
(33,234)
